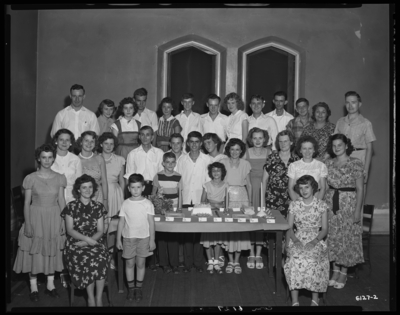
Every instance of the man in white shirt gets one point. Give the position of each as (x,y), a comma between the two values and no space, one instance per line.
(76,117)
(189,120)
(214,121)
(146,116)
(281,116)
(193,168)
(259,120)
(145,160)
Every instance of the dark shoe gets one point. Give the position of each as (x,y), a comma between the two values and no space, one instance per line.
(186,269)
(34,296)
(52,293)
(175,270)
(167,269)
(138,294)
(131,294)
(153,267)
(199,269)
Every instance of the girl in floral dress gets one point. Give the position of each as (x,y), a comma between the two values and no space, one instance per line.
(307,265)
(344,198)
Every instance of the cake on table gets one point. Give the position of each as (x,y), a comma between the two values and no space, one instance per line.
(202,208)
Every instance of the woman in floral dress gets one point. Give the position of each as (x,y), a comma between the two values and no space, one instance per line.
(344,198)
(86,257)
(275,180)
(307,265)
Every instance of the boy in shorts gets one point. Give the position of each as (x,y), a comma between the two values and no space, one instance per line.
(136,225)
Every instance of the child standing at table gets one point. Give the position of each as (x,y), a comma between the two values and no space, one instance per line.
(307,266)
(136,225)
(193,168)
(214,193)
(167,183)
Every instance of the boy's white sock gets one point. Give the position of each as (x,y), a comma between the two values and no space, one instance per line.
(50,282)
(33,282)
(211,261)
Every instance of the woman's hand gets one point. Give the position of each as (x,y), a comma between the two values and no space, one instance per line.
(356,217)
(62,228)
(152,246)
(91,241)
(81,244)
(310,245)
(28,230)
(297,243)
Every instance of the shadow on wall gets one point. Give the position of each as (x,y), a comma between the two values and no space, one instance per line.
(67,101)
(48,138)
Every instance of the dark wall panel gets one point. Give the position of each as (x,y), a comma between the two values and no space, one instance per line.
(24,25)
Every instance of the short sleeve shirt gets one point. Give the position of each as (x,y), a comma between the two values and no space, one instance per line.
(359,131)
(299,168)
(136,222)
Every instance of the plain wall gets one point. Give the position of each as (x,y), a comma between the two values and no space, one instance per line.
(113,52)
(23,93)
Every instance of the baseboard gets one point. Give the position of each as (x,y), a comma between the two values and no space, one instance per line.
(381,222)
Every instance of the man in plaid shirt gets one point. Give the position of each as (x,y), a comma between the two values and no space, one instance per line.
(297,125)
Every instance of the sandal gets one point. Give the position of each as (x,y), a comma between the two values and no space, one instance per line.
(296,304)
(250,264)
(218,269)
(333,282)
(313,303)
(210,268)
(229,267)
(221,261)
(238,269)
(259,262)
(339,285)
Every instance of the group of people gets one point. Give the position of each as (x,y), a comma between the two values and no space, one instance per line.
(309,169)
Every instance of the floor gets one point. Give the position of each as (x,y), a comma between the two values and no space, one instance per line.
(251,288)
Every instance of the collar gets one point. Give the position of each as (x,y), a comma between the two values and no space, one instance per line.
(191,113)
(238,112)
(285,113)
(140,148)
(360,119)
(83,108)
(123,118)
(169,118)
(254,118)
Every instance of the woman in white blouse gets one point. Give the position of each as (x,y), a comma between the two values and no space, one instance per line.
(66,162)
(237,121)
(307,149)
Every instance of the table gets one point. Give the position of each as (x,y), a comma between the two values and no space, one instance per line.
(178,226)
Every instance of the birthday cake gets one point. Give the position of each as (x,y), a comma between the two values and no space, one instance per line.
(202,209)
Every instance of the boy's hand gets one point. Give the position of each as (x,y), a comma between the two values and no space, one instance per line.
(152,246)
(119,244)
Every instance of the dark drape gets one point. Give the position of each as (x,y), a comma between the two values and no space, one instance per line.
(191,71)
(270,70)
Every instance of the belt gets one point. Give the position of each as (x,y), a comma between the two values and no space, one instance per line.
(359,149)
(335,199)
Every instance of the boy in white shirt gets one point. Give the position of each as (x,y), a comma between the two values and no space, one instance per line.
(136,225)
